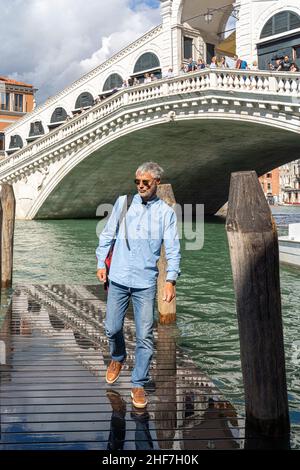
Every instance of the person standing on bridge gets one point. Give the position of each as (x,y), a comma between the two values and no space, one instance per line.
(148,223)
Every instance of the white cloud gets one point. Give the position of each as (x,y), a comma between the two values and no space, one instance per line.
(51,43)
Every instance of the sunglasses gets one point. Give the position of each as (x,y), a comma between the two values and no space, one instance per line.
(145,182)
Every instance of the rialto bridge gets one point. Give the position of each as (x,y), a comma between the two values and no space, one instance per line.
(74,152)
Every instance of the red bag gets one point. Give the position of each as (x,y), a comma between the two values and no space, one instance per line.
(108,259)
(107,262)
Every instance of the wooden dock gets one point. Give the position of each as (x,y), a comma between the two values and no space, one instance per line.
(53,395)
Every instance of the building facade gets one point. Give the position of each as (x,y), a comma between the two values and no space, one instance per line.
(270,183)
(268,30)
(16,99)
(265,29)
(290,183)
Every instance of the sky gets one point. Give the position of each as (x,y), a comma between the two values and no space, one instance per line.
(52,43)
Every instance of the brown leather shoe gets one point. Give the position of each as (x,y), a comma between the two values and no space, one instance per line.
(113,371)
(139,397)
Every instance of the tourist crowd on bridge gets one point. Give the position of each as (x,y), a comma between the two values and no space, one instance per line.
(283,64)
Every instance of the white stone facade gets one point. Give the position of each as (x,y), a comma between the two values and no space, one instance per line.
(290,183)
(253,16)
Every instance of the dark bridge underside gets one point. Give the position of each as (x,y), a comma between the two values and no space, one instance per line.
(198,157)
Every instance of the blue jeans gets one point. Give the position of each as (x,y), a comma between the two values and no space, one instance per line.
(143,308)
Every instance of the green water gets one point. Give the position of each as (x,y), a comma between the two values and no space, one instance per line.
(64,252)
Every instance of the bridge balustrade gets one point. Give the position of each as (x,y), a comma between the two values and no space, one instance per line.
(273,84)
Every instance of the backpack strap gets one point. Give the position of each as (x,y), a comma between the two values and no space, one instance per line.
(125,209)
(129,200)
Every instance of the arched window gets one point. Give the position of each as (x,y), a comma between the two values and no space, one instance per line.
(280,23)
(147,61)
(84,100)
(16,142)
(59,115)
(113,81)
(36,129)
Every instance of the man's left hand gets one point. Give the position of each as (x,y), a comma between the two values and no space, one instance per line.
(169,292)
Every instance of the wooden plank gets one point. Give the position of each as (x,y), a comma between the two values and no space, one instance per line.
(82,436)
(128,445)
(85,417)
(85,426)
(84,393)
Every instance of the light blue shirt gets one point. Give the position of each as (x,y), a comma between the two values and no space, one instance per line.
(147,227)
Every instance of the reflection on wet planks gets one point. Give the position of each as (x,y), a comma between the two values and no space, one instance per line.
(54,396)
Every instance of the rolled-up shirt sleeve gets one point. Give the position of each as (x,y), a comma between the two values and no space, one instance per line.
(172,248)
(107,235)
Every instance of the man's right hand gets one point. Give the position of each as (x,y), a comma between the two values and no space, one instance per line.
(101,274)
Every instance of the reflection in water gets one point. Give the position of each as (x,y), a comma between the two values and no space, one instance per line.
(217,428)
(117,432)
(256,441)
(5,342)
(117,435)
(56,322)
(165,373)
(185,409)
(143,439)
(82,341)
(33,306)
(189,404)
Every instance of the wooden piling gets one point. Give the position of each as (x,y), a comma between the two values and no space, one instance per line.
(1,248)
(7,233)
(253,245)
(167,311)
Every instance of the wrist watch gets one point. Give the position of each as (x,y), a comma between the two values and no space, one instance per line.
(172,282)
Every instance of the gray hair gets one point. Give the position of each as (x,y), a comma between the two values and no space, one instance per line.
(151,167)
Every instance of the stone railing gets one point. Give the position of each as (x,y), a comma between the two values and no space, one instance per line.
(258,81)
(282,87)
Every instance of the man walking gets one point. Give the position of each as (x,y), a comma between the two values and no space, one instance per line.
(133,273)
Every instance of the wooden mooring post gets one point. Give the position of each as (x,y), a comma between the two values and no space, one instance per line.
(167,311)
(253,245)
(7,224)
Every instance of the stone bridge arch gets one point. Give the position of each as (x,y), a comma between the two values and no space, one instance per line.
(198,155)
(199,126)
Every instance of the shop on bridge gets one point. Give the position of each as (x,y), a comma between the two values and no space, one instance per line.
(279,37)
